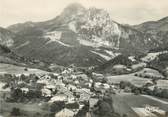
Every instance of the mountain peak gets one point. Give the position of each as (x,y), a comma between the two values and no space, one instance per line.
(70,12)
(73,8)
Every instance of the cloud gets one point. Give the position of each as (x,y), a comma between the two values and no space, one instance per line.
(123,11)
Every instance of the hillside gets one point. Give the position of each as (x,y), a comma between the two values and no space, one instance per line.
(154,26)
(9,56)
(158,30)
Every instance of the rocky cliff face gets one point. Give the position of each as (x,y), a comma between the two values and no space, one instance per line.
(6,37)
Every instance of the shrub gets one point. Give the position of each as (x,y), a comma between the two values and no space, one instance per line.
(136,91)
(16,94)
(164,93)
(26,69)
(135,74)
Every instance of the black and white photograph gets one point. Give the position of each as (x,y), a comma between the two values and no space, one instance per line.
(83,58)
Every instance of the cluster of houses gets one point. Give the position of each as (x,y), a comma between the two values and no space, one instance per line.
(69,86)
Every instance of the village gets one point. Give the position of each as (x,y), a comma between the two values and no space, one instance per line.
(71,88)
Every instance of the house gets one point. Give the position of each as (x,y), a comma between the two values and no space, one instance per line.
(65,113)
(154,109)
(59,97)
(138,66)
(76,82)
(25,89)
(73,76)
(5,93)
(50,87)
(71,87)
(99,87)
(84,94)
(119,68)
(42,81)
(84,97)
(82,77)
(127,89)
(151,87)
(88,85)
(93,102)
(97,77)
(106,86)
(46,92)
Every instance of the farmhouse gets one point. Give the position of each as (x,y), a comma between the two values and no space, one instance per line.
(65,113)
(59,97)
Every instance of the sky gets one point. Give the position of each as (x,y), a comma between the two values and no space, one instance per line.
(123,11)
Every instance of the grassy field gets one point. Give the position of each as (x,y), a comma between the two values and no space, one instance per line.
(17,70)
(29,110)
(137,81)
(162,84)
(120,105)
(150,73)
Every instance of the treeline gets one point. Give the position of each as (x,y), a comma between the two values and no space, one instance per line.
(160,63)
(158,92)
(4,48)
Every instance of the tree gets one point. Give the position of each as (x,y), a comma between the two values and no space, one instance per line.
(26,69)
(16,94)
(125,115)
(135,74)
(82,112)
(136,91)
(34,94)
(124,84)
(104,80)
(154,81)
(104,107)
(166,114)
(57,106)
(15,112)
(37,115)
(164,93)
(157,91)
(72,106)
